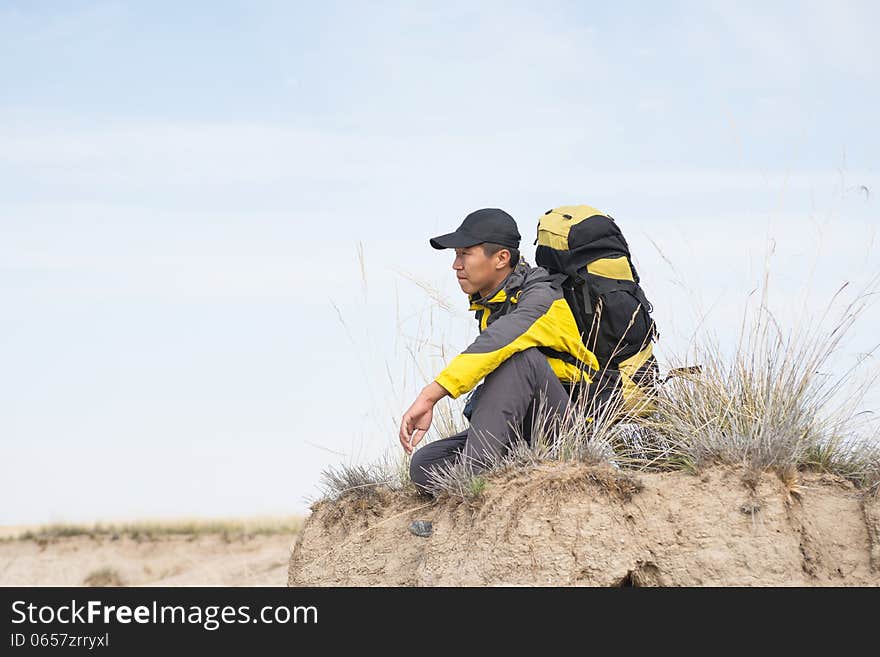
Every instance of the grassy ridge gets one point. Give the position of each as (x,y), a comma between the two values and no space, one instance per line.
(767,406)
(228,528)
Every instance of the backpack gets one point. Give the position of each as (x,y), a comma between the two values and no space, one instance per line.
(586,251)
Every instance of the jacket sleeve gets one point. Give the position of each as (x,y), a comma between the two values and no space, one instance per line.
(540,318)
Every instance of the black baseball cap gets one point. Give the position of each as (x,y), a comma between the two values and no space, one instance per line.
(486,225)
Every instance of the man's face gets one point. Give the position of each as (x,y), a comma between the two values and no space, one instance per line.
(478,272)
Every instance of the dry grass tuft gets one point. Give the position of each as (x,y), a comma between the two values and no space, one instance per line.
(361,481)
(791,481)
(768,407)
(104,577)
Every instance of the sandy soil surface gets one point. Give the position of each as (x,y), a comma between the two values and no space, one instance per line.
(163,561)
(569,524)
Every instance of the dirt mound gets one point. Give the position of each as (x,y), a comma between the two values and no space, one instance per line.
(570,524)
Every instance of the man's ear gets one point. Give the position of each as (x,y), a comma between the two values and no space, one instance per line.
(502,261)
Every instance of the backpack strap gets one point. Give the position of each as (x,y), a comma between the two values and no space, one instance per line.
(576,292)
(565,357)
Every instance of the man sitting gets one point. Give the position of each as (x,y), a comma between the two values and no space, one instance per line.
(529,349)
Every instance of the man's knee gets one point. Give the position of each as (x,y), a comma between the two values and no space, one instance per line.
(522,369)
(530,357)
(525,376)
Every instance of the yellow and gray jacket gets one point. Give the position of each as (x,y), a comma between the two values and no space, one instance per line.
(528,310)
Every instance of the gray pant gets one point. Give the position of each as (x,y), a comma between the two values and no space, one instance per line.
(508,398)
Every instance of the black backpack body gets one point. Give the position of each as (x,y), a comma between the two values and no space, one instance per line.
(587,251)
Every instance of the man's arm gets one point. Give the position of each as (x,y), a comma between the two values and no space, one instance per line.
(542,318)
(417,420)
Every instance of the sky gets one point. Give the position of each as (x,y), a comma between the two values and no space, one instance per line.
(215,279)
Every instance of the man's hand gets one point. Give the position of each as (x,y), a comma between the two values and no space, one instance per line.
(417,420)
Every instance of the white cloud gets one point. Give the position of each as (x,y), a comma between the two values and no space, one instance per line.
(793,46)
(142,155)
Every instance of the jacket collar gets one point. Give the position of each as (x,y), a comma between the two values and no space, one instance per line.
(514,281)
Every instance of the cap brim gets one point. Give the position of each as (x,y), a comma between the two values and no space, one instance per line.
(456,240)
